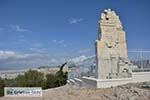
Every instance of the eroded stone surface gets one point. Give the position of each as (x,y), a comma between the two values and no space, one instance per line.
(111,48)
(123,92)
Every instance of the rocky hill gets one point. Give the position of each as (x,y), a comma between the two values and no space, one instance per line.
(136,91)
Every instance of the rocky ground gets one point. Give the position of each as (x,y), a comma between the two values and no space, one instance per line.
(138,91)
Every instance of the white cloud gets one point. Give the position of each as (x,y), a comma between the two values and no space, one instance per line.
(79,59)
(37,45)
(15,60)
(54,41)
(21,38)
(75,20)
(11,54)
(6,54)
(82,51)
(53,60)
(60,42)
(19,28)
(37,50)
(82,59)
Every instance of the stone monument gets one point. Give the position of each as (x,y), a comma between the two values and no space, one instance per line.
(113,67)
(111,48)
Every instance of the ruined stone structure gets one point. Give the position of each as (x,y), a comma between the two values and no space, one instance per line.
(111,48)
(113,66)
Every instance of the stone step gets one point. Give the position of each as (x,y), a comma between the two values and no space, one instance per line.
(71,80)
(78,82)
(77,79)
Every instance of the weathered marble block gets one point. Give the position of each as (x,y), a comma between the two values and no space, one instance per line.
(111,48)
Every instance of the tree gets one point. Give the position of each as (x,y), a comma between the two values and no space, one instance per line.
(51,80)
(2,84)
(34,78)
(58,79)
(21,81)
(31,78)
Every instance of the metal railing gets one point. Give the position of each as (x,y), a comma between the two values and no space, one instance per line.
(140,60)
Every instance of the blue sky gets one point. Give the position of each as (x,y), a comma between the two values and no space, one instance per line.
(43,32)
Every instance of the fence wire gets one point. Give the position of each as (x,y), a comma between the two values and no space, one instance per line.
(141,60)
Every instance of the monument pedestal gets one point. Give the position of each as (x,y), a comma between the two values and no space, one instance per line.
(104,83)
(107,83)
